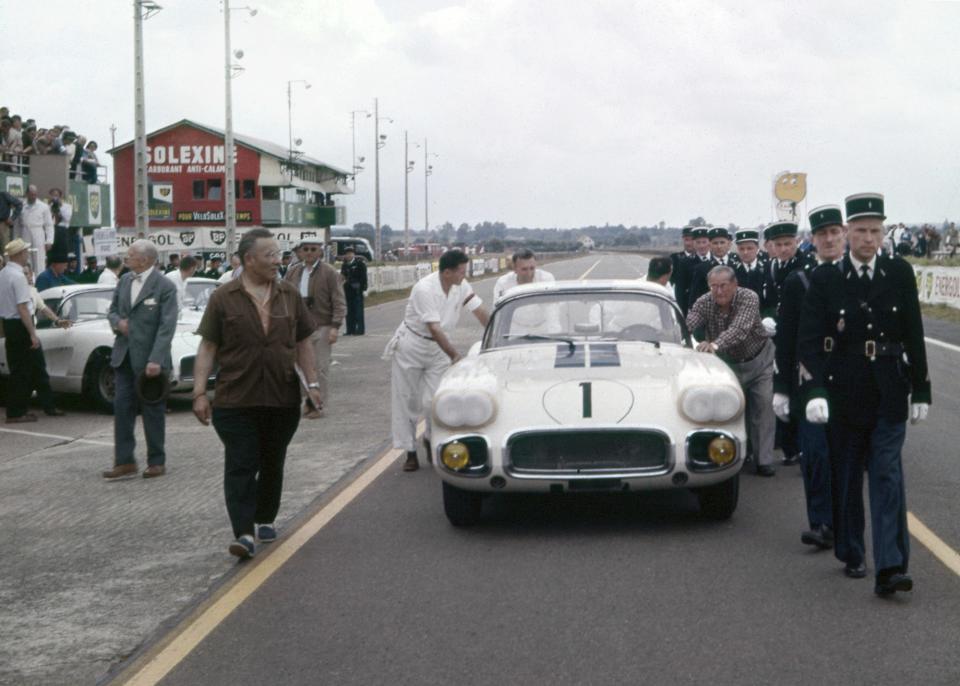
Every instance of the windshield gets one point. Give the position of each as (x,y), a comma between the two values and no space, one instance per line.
(585,316)
(85,306)
(197,294)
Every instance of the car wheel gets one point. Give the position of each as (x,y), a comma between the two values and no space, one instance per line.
(99,381)
(720,501)
(461,507)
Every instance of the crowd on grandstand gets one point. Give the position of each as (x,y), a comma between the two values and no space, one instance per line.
(20,138)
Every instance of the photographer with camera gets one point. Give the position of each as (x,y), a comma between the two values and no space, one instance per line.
(320,287)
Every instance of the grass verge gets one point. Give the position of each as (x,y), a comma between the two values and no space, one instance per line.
(944,312)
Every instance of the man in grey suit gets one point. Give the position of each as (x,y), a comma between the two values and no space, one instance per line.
(143,315)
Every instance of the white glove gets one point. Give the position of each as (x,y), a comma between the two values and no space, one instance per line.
(817,411)
(781,406)
(918,412)
(770,326)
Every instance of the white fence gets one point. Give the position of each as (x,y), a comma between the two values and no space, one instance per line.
(939,285)
(390,278)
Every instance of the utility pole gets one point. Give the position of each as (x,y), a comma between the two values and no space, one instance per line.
(230,199)
(407,168)
(142,9)
(376,180)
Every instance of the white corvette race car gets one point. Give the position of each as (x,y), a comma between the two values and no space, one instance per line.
(587,385)
(78,358)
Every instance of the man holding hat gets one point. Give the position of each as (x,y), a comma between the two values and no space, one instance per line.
(143,315)
(750,265)
(319,286)
(354,273)
(24,354)
(719,255)
(862,349)
(829,238)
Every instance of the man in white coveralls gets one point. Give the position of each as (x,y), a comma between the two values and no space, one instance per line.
(421,350)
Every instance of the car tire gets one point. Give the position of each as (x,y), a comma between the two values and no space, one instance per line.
(462,507)
(98,381)
(719,502)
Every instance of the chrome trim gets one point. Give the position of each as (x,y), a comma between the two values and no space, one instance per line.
(696,469)
(581,475)
(459,437)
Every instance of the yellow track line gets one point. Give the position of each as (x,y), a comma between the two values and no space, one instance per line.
(934,543)
(202,625)
(592,267)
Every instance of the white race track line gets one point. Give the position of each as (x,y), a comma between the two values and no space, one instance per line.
(68,439)
(943,344)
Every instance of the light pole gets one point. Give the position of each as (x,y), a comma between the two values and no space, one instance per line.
(427,173)
(407,168)
(229,194)
(378,142)
(357,161)
(290,111)
(142,9)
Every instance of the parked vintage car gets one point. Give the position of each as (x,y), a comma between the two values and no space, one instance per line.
(587,386)
(78,358)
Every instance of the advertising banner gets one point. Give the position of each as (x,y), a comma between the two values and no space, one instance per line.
(94,205)
(161,201)
(939,285)
(105,242)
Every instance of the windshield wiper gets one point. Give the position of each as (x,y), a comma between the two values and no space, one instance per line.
(538,337)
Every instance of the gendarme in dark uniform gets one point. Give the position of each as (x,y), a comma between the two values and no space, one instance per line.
(679,276)
(867,313)
(701,254)
(750,275)
(826,226)
(354,273)
(719,254)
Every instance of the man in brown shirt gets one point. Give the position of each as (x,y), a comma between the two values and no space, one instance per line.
(730,316)
(257,329)
(320,287)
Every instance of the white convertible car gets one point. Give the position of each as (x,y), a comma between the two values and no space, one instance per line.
(587,386)
(78,358)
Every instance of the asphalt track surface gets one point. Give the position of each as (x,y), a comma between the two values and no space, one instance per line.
(596,589)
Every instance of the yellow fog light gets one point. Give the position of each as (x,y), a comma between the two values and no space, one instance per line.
(455,455)
(721,450)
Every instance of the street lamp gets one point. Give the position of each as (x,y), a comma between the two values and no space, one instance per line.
(142,9)
(290,111)
(427,172)
(229,70)
(357,161)
(407,167)
(378,142)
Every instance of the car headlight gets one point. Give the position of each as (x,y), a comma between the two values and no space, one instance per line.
(469,408)
(710,404)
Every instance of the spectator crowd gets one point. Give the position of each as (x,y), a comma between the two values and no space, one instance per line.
(21,138)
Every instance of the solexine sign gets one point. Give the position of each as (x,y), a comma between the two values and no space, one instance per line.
(939,285)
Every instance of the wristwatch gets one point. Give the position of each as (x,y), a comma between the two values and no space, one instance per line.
(315,384)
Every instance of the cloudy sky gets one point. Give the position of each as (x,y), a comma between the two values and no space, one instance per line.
(541,112)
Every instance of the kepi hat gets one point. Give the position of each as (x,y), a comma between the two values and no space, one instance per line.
(745,235)
(824,216)
(864,205)
(687,230)
(778,230)
(700,232)
(719,232)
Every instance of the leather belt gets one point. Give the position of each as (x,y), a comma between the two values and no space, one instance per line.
(871,349)
(426,338)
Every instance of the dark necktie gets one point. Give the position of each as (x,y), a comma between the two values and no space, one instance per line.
(864,280)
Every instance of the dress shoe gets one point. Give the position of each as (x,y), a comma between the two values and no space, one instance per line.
(243,547)
(855,571)
(790,460)
(312,414)
(54,412)
(411,464)
(888,584)
(121,471)
(154,470)
(820,536)
(28,417)
(765,470)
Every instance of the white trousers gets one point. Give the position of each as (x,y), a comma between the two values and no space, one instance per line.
(320,341)
(417,367)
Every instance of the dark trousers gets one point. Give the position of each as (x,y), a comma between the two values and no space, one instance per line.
(255,441)
(815,467)
(788,436)
(354,297)
(876,448)
(126,406)
(28,370)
